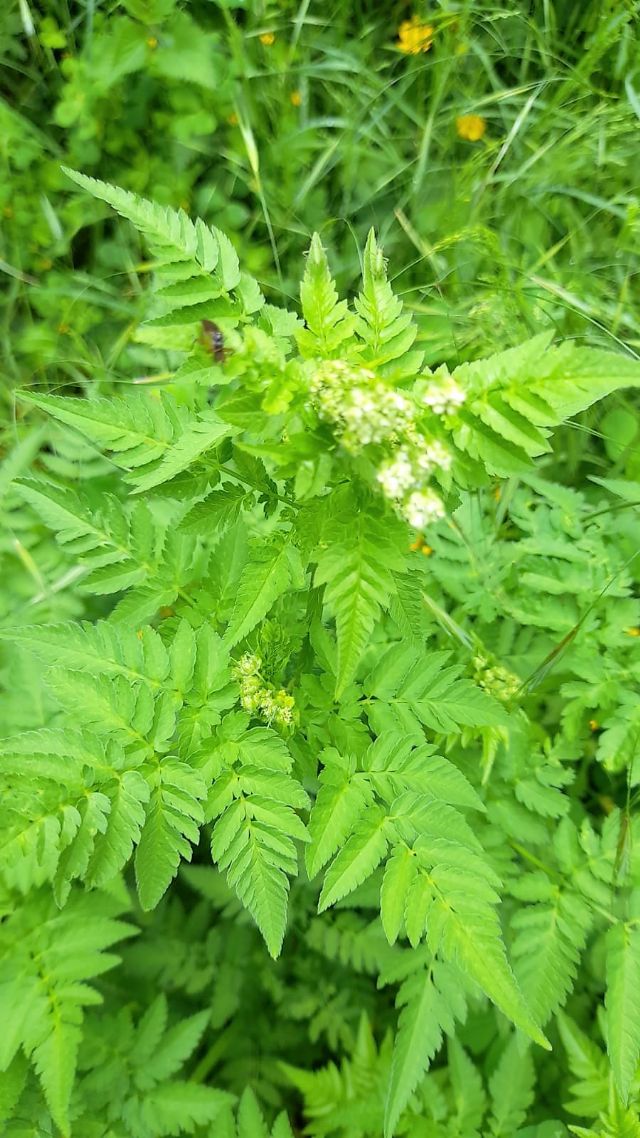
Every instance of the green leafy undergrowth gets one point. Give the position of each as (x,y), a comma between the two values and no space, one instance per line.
(321,711)
(239,112)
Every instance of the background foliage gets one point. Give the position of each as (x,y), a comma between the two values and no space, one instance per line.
(272,120)
(492,654)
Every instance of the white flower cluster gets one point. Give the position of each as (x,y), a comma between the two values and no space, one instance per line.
(362,406)
(431,456)
(397,475)
(367,411)
(444,397)
(403,480)
(422,508)
(259,698)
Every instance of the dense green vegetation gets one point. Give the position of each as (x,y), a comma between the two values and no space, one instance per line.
(320,604)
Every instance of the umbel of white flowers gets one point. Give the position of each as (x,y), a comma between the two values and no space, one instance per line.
(366,411)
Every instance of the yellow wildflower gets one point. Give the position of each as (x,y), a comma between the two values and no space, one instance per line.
(267,38)
(632,631)
(594,725)
(414,36)
(471,127)
(420,546)
(296,99)
(152,42)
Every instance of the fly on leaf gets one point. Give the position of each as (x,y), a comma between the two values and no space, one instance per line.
(213,341)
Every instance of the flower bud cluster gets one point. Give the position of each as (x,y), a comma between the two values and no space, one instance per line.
(259,698)
(494,679)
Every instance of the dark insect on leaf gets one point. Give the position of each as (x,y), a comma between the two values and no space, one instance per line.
(214,341)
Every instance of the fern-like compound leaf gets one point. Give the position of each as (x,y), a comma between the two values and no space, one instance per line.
(430,1006)
(342,797)
(175,1107)
(128,794)
(174,814)
(512,1088)
(265,578)
(357,568)
(468,1090)
(328,321)
(623,1004)
(171,235)
(196,441)
(47,958)
(387,334)
(472,938)
(254,802)
(515,396)
(400,876)
(414,692)
(589,1067)
(136,429)
(546,950)
(100,649)
(357,859)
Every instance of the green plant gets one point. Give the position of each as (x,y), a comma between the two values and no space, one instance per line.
(409,777)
